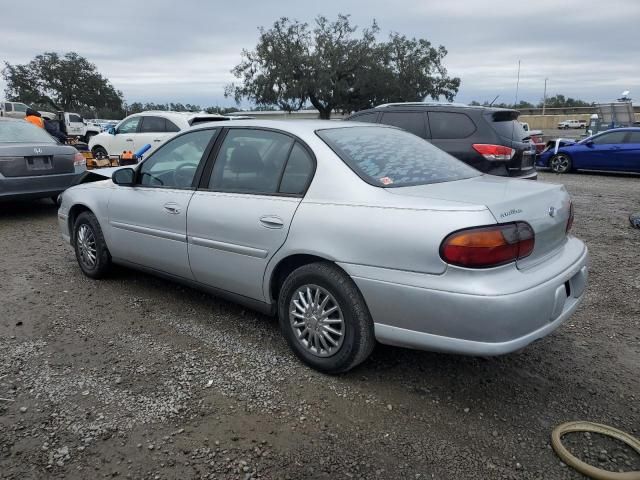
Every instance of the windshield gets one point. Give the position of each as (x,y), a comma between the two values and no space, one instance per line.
(19,131)
(389,157)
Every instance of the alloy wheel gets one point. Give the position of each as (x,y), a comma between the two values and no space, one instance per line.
(560,163)
(317,320)
(86,241)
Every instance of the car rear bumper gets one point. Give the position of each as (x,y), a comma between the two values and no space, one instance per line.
(42,186)
(473,312)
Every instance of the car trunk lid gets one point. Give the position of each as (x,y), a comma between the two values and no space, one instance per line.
(28,160)
(546,207)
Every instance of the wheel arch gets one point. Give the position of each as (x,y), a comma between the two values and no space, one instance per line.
(288,264)
(74,212)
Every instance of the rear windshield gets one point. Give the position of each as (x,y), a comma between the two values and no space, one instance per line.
(19,131)
(389,157)
(506,124)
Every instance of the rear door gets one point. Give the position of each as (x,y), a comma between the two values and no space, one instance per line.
(241,214)
(153,131)
(631,154)
(450,132)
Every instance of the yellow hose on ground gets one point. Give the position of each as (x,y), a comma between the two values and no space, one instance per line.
(585,468)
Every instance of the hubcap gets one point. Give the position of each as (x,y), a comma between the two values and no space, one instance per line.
(86,246)
(316,320)
(560,163)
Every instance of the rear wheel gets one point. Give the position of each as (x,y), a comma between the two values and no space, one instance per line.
(560,163)
(91,250)
(99,153)
(325,319)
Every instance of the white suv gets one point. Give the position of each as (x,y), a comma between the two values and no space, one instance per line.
(139,129)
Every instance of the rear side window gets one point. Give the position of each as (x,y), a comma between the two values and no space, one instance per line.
(170,126)
(388,157)
(634,137)
(505,123)
(152,124)
(410,121)
(365,117)
(298,171)
(446,125)
(8,107)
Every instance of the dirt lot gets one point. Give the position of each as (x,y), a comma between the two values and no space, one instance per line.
(136,377)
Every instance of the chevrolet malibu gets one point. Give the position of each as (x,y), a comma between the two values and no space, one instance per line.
(350,233)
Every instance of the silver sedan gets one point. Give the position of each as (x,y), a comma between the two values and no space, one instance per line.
(351,233)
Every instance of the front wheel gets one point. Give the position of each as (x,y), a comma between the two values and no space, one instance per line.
(91,250)
(560,163)
(99,153)
(325,319)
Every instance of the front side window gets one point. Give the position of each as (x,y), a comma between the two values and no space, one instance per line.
(75,118)
(129,126)
(609,138)
(388,157)
(250,161)
(174,165)
(152,125)
(410,121)
(20,107)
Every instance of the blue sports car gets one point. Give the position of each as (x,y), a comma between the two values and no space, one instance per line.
(614,150)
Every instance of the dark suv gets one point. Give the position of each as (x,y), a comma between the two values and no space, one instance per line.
(489,139)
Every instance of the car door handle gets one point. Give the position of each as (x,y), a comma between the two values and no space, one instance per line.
(157,139)
(272,221)
(129,139)
(172,208)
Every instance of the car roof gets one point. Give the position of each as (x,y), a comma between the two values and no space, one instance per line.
(434,106)
(297,127)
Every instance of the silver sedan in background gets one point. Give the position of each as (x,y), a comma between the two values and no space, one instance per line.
(351,233)
(33,164)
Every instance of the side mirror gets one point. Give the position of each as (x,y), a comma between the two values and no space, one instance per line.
(124,177)
(112,130)
(589,143)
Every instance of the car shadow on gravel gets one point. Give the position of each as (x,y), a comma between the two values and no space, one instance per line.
(33,209)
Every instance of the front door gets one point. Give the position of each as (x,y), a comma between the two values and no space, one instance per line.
(241,216)
(124,138)
(604,151)
(148,221)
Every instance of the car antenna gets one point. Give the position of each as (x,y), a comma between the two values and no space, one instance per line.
(493,101)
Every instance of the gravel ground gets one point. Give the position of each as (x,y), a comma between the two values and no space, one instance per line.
(136,377)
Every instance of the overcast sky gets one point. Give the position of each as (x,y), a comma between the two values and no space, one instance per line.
(182,51)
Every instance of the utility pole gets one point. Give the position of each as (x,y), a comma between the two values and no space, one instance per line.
(544,97)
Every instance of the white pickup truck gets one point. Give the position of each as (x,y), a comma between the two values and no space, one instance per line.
(567,124)
(76,125)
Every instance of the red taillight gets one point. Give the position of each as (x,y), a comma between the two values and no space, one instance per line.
(78,159)
(484,247)
(570,220)
(494,152)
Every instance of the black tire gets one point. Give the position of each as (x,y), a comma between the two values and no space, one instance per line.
(560,163)
(88,222)
(99,152)
(358,335)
